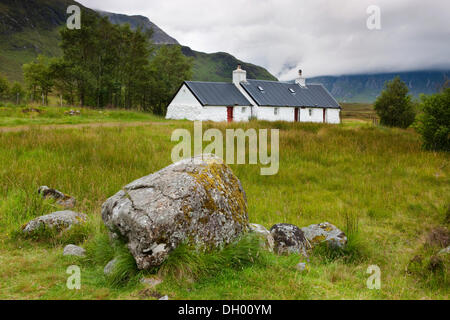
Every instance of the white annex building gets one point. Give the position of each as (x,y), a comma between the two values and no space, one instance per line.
(245,99)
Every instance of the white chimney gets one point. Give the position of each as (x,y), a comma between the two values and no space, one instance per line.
(301,81)
(239,75)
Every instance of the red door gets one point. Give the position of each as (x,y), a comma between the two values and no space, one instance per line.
(230,114)
(324,115)
(296,114)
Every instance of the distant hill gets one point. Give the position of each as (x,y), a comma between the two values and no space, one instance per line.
(366,87)
(29,28)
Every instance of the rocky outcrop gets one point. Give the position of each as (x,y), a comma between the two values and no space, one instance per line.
(197,201)
(59,221)
(325,232)
(289,239)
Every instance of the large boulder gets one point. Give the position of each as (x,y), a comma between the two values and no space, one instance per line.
(59,221)
(327,233)
(289,239)
(197,201)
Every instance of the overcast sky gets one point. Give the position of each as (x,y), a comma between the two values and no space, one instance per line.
(322,37)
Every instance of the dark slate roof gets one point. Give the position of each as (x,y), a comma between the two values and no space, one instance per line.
(277,94)
(217,94)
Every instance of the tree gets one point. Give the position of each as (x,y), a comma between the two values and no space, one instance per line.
(4,87)
(394,106)
(16,92)
(434,123)
(38,78)
(169,69)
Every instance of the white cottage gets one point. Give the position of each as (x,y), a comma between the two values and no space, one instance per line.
(244,99)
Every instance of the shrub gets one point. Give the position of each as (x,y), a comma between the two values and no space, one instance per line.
(434,123)
(394,106)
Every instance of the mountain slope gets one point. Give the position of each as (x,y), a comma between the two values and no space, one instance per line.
(29,28)
(159,36)
(366,87)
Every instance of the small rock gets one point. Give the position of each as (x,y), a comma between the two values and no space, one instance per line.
(60,220)
(73,250)
(301,266)
(269,242)
(325,232)
(109,267)
(60,197)
(444,251)
(151,282)
(164,298)
(289,239)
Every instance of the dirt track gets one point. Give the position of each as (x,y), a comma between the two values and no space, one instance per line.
(79,125)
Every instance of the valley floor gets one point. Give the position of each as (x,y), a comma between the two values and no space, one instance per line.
(374,182)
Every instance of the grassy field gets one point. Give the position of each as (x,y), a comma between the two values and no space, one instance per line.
(376,183)
(13,116)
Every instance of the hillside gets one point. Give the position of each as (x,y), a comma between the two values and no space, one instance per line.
(29,28)
(366,87)
(159,36)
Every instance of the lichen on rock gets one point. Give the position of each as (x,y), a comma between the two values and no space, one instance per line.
(198,201)
(325,232)
(289,239)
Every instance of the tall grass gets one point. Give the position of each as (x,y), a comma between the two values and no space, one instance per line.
(380,175)
(187,263)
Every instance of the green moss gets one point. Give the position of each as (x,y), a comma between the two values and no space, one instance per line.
(215,177)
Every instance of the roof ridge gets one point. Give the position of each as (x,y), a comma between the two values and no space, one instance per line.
(220,82)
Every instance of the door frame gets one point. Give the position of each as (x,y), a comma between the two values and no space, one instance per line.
(230,114)
(296,114)
(324,115)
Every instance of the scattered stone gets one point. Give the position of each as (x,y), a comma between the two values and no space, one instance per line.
(444,251)
(289,239)
(198,201)
(28,110)
(73,250)
(439,237)
(301,266)
(73,112)
(60,197)
(151,282)
(59,220)
(107,270)
(269,242)
(325,232)
(164,298)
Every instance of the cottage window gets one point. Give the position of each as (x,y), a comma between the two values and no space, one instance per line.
(275,111)
(310,112)
(244,109)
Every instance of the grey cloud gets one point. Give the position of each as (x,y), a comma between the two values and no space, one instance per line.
(318,36)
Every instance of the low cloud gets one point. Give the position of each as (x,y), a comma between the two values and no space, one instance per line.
(322,37)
